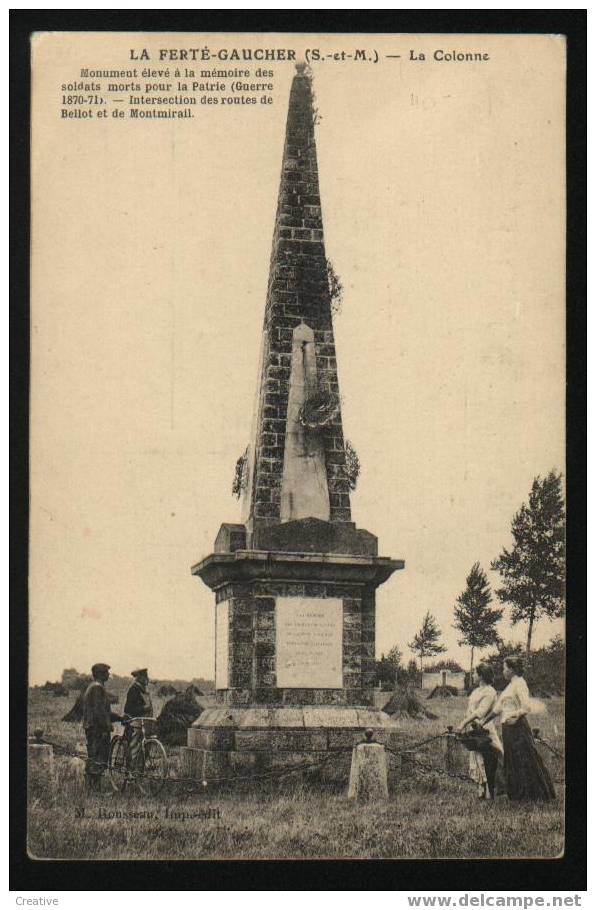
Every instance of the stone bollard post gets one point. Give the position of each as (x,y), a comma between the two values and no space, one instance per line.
(368,774)
(41,772)
(77,765)
(449,744)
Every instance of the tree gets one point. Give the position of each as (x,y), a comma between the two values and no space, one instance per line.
(533,571)
(473,616)
(394,657)
(389,671)
(412,670)
(384,673)
(451,665)
(425,642)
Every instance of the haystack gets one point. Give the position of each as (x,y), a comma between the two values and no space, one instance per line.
(177,715)
(443,692)
(405,703)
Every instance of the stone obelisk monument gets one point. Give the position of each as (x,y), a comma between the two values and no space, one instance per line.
(295,582)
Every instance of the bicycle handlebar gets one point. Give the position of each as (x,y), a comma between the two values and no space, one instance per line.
(130,720)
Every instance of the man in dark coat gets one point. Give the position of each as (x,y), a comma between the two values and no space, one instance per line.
(97,722)
(138,704)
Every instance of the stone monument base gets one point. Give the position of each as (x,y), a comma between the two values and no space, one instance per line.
(240,741)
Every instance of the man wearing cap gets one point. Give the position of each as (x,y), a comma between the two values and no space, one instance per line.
(138,704)
(97,721)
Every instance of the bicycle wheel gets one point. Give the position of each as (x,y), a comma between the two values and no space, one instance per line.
(155,768)
(119,763)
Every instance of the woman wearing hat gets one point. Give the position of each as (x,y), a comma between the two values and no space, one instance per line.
(526,775)
(485,759)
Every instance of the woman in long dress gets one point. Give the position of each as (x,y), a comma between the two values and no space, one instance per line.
(526,775)
(484,762)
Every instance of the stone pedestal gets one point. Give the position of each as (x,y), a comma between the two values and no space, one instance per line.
(295,649)
(295,628)
(228,742)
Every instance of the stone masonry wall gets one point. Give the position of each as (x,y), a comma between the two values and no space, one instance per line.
(252,677)
(298,292)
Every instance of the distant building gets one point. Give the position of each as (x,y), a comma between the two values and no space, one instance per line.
(70,678)
(443,678)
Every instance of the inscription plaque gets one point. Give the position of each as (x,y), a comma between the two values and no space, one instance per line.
(309,638)
(221,645)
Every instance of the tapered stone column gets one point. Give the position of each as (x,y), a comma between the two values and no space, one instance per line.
(295,582)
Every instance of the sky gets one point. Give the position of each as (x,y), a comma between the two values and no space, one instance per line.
(443,205)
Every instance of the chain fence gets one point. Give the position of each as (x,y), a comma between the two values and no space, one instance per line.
(204,782)
(194,784)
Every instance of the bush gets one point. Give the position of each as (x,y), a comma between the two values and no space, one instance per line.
(544,672)
(72,679)
(54,688)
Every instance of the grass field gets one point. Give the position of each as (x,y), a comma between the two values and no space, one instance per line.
(428,815)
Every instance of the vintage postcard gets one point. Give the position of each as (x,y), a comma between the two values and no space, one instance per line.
(297,542)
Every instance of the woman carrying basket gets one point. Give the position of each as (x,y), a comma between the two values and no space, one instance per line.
(482,741)
(526,775)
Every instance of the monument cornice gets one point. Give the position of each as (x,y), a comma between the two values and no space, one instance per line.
(218,569)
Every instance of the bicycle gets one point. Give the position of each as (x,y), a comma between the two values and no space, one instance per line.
(151,767)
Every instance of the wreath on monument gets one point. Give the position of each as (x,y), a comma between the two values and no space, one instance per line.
(336,288)
(240,475)
(319,410)
(352,465)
